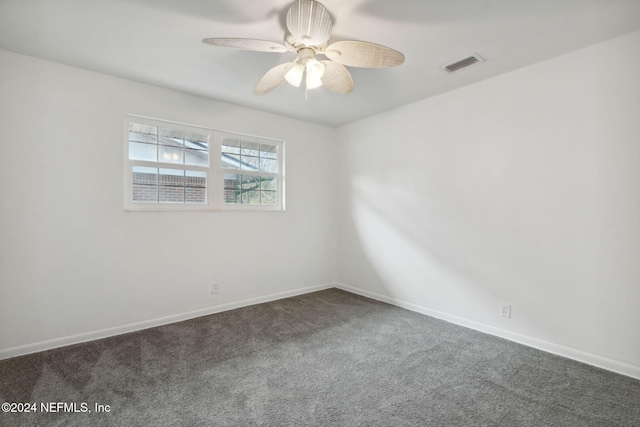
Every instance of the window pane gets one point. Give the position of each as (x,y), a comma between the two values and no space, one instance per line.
(145,175)
(196,157)
(250,148)
(173,177)
(139,151)
(170,194)
(250,182)
(145,193)
(170,137)
(268,197)
(268,165)
(230,161)
(268,183)
(195,190)
(142,133)
(231,145)
(250,189)
(251,197)
(195,179)
(250,163)
(232,191)
(269,151)
(170,154)
(231,180)
(195,195)
(145,184)
(196,141)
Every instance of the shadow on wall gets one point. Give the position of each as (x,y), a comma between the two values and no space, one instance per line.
(426,254)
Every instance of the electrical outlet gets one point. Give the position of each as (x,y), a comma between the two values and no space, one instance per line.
(214,288)
(505,310)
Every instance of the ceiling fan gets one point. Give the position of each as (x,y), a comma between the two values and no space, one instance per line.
(309,29)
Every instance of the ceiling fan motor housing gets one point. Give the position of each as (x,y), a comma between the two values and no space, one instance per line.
(296,44)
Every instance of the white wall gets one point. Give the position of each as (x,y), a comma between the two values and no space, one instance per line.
(74,265)
(522,189)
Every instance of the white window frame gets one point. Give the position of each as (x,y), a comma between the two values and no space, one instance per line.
(215,172)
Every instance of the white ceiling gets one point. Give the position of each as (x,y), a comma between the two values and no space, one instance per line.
(159,42)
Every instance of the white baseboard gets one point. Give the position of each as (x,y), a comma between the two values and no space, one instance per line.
(570,353)
(132,327)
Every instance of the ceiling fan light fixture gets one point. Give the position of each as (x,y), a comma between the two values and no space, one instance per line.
(313,81)
(294,75)
(315,68)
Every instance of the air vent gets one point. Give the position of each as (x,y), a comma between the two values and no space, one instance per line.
(463,63)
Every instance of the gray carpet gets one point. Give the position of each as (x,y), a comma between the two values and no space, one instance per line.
(328,358)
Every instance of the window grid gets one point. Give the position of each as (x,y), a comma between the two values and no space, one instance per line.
(164,145)
(170,167)
(258,163)
(162,185)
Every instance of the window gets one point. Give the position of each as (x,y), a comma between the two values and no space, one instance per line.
(250,171)
(170,167)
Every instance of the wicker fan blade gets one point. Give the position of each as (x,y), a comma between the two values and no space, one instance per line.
(336,78)
(309,22)
(273,78)
(247,44)
(363,54)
